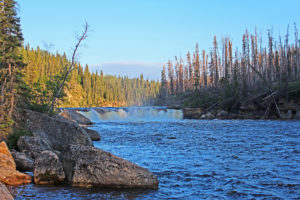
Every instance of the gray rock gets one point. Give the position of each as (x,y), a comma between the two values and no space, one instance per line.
(209,116)
(32,146)
(58,133)
(73,115)
(23,161)
(4,193)
(287,115)
(222,114)
(48,169)
(297,114)
(94,135)
(87,166)
(203,116)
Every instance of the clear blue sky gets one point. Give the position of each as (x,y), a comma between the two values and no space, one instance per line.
(134,36)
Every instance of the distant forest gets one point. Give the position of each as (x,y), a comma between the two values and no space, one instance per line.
(43,70)
(226,77)
(41,81)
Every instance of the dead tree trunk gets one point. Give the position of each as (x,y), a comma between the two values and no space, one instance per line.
(70,68)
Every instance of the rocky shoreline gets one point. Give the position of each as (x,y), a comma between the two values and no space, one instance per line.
(60,151)
(197,113)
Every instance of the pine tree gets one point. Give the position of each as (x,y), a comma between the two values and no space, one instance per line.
(10,64)
(196,64)
(164,84)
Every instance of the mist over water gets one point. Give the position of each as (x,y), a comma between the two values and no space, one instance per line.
(194,159)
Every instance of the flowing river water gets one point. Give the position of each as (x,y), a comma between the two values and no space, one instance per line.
(193,159)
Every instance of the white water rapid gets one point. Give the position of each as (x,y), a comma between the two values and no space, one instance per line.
(132,114)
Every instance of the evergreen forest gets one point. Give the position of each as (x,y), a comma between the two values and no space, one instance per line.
(32,79)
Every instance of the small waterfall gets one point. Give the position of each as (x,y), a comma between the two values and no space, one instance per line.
(132,114)
(91,114)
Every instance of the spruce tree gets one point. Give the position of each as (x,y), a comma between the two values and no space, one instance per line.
(10,64)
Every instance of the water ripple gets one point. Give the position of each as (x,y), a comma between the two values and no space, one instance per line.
(192,159)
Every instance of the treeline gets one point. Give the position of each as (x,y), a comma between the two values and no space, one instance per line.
(224,72)
(44,70)
(40,81)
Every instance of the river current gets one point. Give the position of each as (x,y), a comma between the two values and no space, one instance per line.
(197,159)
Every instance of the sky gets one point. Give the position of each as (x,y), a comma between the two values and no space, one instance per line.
(130,37)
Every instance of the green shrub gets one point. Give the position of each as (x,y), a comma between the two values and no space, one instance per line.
(14,137)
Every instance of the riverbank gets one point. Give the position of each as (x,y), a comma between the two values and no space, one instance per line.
(256,105)
(198,113)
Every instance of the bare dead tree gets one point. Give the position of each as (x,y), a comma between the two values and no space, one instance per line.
(69,69)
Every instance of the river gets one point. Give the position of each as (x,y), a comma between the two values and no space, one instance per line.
(195,159)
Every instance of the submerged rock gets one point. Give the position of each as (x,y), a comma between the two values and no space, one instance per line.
(73,115)
(87,166)
(58,133)
(8,173)
(4,193)
(48,169)
(23,162)
(94,135)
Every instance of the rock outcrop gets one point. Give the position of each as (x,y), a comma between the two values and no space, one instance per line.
(8,173)
(48,169)
(33,145)
(73,115)
(23,162)
(4,193)
(94,135)
(57,133)
(86,166)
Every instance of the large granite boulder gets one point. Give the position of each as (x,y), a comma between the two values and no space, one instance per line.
(73,115)
(58,133)
(33,145)
(23,161)
(8,173)
(48,169)
(94,135)
(87,166)
(4,193)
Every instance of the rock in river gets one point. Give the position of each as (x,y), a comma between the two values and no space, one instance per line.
(73,115)
(94,135)
(4,193)
(8,173)
(48,169)
(23,162)
(87,166)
